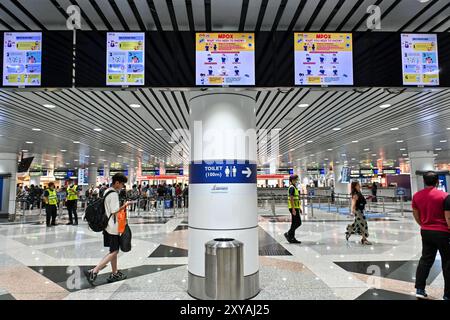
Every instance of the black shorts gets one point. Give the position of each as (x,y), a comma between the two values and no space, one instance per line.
(112,241)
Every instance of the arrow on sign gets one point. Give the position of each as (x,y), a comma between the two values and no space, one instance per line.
(248,172)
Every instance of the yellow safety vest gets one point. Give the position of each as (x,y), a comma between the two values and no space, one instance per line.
(72,193)
(296,198)
(52,198)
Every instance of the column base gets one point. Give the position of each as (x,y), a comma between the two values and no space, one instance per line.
(196,286)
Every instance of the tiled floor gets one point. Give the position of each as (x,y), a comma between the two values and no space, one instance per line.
(47,263)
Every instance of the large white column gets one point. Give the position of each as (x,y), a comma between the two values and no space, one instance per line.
(92,176)
(419,161)
(222,195)
(8,166)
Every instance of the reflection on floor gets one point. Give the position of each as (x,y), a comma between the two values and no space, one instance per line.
(48,263)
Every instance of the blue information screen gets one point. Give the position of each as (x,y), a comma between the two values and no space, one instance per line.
(230,171)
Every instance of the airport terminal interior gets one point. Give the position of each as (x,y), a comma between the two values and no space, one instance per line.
(212,110)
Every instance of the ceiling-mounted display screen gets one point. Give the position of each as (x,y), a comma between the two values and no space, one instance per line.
(22,58)
(323,59)
(420,59)
(225,59)
(125,54)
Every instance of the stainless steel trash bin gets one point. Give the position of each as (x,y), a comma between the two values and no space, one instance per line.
(224,269)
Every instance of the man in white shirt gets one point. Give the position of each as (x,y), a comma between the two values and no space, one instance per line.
(111,235)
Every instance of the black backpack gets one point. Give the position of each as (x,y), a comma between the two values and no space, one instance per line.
(95,214)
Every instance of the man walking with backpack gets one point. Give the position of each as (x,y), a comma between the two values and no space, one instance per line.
(111,237)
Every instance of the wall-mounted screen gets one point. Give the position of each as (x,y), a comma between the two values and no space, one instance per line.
(125,54)
(323,59)
(225,59)
(22,58)
(420,59)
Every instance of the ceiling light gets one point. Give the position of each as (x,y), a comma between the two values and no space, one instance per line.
(119,156)
(135,105)
(54,156)
(123,142)
(63,150)
(329,149)
(367,149)
(448,128)
(438,149)
(289,150)
(435,154)
(337,162)
(443,141)
(353,159)
(355,141)
(24,150)
(92,163)
(86,156)
(76,160)
(374,154)
(303,105)
(36,129)
(336,129)
(399,141)
(402,149)
(47,160)
(102,150)
(158,129)
(277,129)
(97,129)
(343,155)
(76,142)
(140,150)
(326,159)
(383,106)
(404,154)
(171,141)
(311,155)
(29,142)
(49,106)
(67,163)
(394,129)
(309,141)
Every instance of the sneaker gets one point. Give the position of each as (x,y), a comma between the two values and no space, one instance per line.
(420,293)
(69,223)
(295,241)
(286,235)
(116,277)
(90,276)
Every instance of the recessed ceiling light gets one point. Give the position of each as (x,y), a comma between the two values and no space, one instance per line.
(67,163)
(49,106)
(353,159)
(29,142)
(355,141)
(337,162)
(404,154)
(303,105)
(309,141)
(367,149)
(171,141)
(24,150)
(383,106)
(435,154)
(402,149)
(448,128)
(443,141)
(336,129)
(76,142)
(326,159)
(97,129)
(399,141)
(277,129)
(311,155)
(140,150)
(289,150)
(76,160)
(119,156)
(374,154)
(54,156)
(134,105)
(63,150)
(102,150)
(438,149)
(36,129)
(123,142)
(394,129)
(343,154)
(132,160)
(92,163)
(158,129)
(329,149)
(47,160)
(86,156)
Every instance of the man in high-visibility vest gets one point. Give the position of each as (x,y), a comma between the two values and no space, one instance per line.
(294,209)
(51,204)
(71,203)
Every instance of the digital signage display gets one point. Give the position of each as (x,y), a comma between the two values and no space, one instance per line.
(22,58)
(125,54)
(323,59)
(225,59)
(420,59)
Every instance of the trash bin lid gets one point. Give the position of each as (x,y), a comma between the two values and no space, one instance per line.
(220,244)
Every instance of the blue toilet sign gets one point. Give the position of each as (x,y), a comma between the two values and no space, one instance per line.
(231,171)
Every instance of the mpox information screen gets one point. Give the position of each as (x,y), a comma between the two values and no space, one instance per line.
(420,59)
(22,59)
(323,59)
(225,59)
(125,59)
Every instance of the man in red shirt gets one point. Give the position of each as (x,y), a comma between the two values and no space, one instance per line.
(431,210)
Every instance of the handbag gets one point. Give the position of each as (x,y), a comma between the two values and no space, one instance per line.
(125,239)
